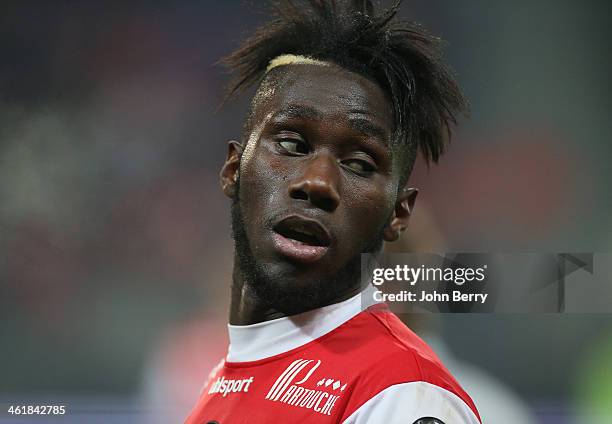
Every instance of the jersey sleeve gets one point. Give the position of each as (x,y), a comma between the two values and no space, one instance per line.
(406,403)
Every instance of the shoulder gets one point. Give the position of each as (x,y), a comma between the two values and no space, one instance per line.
(407,403)
(399,371)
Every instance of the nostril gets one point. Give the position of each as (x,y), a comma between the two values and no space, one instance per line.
(299,195)
(327,204)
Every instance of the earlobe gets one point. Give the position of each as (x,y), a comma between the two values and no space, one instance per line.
(231,168)
(403,209)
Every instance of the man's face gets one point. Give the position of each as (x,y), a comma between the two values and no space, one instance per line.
(317,185)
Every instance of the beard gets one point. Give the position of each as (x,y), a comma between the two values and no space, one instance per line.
(275,291)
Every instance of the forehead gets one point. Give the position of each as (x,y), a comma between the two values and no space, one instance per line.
(332,91)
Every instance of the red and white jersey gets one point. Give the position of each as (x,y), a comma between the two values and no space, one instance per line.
(336,364)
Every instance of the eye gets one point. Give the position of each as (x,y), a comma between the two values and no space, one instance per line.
(293,146)
(359,166)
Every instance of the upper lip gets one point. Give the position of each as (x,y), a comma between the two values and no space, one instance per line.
(304,229)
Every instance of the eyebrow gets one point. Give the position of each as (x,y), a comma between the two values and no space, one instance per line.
(299,112)
(367,127)
(361,125)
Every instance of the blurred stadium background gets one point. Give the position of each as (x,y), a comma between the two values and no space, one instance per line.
(115,254)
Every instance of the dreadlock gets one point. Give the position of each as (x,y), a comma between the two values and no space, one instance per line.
(400,56)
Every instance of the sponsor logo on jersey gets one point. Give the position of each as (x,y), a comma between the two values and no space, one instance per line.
(289,388)
(227,386)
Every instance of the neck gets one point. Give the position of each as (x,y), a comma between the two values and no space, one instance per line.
(247,308)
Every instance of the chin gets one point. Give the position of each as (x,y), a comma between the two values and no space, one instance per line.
(290,289)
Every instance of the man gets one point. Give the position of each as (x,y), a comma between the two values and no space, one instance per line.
(345,99)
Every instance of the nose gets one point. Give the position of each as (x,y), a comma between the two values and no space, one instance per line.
(318,184)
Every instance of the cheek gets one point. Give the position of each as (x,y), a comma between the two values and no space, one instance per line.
(261,179)
(368,210)
(376,201)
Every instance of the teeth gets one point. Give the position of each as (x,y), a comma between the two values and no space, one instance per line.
(305,232)
(302,233)
(303,236)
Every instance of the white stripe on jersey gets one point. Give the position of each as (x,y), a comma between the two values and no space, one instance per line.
(407,402)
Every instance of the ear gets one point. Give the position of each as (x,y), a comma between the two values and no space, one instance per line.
(401,214)
(231,168)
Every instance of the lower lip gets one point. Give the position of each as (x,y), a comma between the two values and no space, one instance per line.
(297,250)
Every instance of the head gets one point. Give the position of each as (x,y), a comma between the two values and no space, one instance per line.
(320,174)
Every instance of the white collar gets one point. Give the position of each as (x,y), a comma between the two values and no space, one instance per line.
(264,339)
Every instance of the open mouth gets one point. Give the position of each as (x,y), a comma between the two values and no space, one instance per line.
(301,239)
(303,230)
